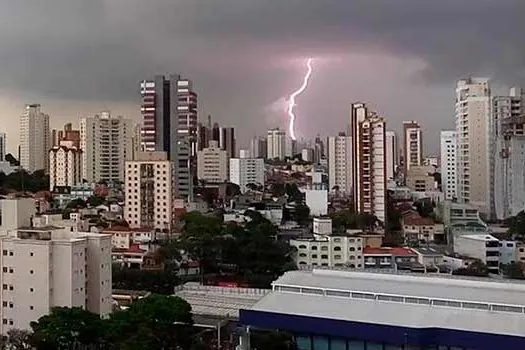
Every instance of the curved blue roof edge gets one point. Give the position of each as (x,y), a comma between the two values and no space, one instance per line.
(395,335)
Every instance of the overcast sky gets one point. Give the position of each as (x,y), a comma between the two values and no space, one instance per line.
(77,57)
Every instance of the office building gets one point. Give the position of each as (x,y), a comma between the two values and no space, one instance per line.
(227,141)
(2,146)
(65,166)
(412,144)
(34,139)
(448,164)
(340,164)
(149,193)
(258,147)
(276,144)
(391,154)
(368,161)
(244,171)
(212,164)
(106,143)
(508,117)
(474,143)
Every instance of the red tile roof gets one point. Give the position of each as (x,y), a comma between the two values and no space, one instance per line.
(396,251)
(133,248)
(414,219)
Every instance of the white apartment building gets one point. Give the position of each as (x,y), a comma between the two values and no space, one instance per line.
(474,143)
(509,153)
(448,163)
(65,166)
(149,192)
(479,246)
(106,143)
(340,163)
(368,161)
(35,139)
(212,163)
(391,154)
(276,144)
(244,171)
(329,251)
(412,144)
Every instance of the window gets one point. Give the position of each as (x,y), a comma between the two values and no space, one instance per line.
(4,303)
(4,286)
(314,256)
(31,290)
(4,269)
(352,249)
(31,307)
(337,249)
(11,254)
(11,287)
(11,270)
(302,246)
(4,252)
(337,257)
(31,254)
(324,256)
(31,271)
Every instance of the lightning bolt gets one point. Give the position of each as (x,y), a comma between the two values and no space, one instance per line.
(291,100)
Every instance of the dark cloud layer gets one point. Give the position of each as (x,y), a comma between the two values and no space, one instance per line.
(239,51)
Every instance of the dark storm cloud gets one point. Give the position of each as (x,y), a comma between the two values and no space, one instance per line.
(95,49)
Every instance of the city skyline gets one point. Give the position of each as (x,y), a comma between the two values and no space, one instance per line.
(241,66)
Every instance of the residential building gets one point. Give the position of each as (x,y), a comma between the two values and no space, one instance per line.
(421,229)
(448,162)
(65,166)
(290,148)
(259,147)
(420,178)
(66,135)
(244,171)
(316,197)
(2,146)
(340,164)
(276,144)
(169,124)
(149,194)
(34,139)
(391,154)
(412,144)
(508,252)
(322,226)
(391,258)
(15,213)
(483,247)
(307,155)
(508,117)
(431,160)
(325,309)
(227,141)
(368,161)
(428,257)
(212,164)
(474,144)
(136,142)
(106,143)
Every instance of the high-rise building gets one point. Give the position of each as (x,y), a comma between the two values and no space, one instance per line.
(2,146)
(65,166)
(169,124)
(391,154)
(276,144)
(46,267)
(340,164)
(212,164)
(412,145)
(259,147)
(244,171)
(508,116)
(106,143)
(368,161)
(474,144)
(149,193)
(448,163)
(227,141)
(34,139)
(136,142)
(67,134)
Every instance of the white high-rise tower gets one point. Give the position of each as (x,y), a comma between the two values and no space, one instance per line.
(34,139)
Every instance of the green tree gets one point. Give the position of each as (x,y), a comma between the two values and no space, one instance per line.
(18,339)
(67,328)
(273,340)
(302,214)
(513,271)
(476,269)
(161,282)
(95,201)
(516,225)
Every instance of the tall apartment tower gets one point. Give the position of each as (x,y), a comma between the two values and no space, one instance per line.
(2,146)
(65,166)
(246,170)
(169,124)
(276,144)
(368,161)
(508,116)
(391,154)
(448,151)
(340,164)
(258,147)
(474,144)
(227,141)
(412,145)
(34,139)
(212,164)
(149,192)
(106,143)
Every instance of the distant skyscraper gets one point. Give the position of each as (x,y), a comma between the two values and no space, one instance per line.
(227,141)
(369,161)
(136,142)
(212,164)
(340,164)
(474,143)
(319,150)
(412,145)
(35,140)
(258,147)
(276,144)
(2,146)
(391,154)
(509,153)
(106,143)
(448,164)
(244,171)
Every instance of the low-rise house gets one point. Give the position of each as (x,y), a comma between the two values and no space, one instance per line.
(420,229)
(429,257)
(386,257)
(483,247)
(508,252)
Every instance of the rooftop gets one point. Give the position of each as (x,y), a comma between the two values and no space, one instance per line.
(396,251)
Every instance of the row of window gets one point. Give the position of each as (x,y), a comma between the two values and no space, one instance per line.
(325,248)
(5,252)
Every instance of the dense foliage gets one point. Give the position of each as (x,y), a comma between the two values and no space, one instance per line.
(347,219)
(21,180)
(475,269)
(161,282)
(516,225)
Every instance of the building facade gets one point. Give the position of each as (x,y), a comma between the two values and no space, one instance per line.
(340,164)
(276,144)
(212,164)
(149,194)
(483,247)
(448,150)
(412,144)
(391,154)
(227,141)
(420,178)
(65,166)
(474,143)
(258,147)
(368,161)
(244,171)
(106,143)
(35,139)
(2,146)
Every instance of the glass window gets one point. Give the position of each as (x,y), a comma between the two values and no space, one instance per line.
(374,346)
(338,344)
(356,345)
(393,347)
(321,343)
(303,343)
